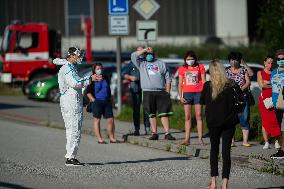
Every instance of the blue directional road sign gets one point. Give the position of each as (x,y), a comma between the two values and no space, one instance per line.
(118,6)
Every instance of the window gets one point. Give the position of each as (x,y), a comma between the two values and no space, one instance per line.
(76,9)
(26,41)
(6,40)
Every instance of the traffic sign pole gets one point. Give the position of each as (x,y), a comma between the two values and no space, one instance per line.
(118,25)
(118,71)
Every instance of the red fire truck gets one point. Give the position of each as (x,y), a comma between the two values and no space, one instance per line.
(27,51)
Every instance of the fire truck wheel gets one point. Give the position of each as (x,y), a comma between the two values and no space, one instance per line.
(53,95)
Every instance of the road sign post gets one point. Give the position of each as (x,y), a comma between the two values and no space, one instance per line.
(118,7)
(146,30)
(118,25)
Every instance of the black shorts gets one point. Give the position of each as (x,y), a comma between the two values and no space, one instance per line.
(102,107)
(157,101)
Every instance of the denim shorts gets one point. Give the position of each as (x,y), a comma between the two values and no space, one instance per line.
(192,97)
(102,107)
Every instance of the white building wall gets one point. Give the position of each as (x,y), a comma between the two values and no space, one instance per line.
(231,21)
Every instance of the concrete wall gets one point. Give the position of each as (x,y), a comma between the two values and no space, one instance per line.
(231,21)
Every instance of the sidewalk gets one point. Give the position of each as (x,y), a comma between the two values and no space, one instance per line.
(254,157)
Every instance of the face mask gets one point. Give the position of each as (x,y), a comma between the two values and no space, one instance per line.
(98,72)
(268,66)
(235,63)
(79,60)
(190,62)
(280,62)
(149,57)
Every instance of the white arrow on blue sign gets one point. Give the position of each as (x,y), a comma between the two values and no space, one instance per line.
(118,6)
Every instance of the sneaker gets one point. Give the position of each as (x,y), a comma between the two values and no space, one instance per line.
(277,144)
(73,162)
(136,133)
(278,155)
(169,137)
(154,136)
(266,145)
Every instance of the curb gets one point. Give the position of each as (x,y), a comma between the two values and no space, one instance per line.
(191,150)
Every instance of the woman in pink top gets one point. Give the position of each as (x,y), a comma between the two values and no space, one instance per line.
(191,80)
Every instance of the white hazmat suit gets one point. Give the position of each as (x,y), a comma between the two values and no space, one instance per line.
(71,103)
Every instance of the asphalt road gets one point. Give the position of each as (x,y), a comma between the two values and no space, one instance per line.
(33,157)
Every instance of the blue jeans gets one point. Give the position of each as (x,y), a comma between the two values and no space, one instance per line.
(136,103)
(244,117)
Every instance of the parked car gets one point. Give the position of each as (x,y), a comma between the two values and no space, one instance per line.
(48,89)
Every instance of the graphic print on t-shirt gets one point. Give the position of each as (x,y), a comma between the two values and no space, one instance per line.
(153,69)
(278,82)
(191,78)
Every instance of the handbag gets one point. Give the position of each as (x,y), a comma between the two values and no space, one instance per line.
(280,101)
(250,98)
(239,100)
(268,103)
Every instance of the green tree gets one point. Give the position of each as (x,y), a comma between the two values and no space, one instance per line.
(271,24)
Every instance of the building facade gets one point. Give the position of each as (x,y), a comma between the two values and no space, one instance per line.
(180,22)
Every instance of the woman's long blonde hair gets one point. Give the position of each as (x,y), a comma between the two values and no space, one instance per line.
(218,77)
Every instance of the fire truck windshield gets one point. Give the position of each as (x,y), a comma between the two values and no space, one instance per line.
(6,40)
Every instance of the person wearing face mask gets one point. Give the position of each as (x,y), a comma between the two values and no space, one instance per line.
(277,83)
(99,94)
(240,75)
(71,103)
(270,126)
(191,80)
(156,84)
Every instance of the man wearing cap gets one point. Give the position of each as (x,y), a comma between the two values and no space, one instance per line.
(71,102)
(156,84)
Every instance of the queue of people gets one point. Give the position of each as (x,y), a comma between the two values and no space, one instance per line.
(151,81)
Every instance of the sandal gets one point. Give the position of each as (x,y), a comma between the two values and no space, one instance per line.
(102,142)
(247,145)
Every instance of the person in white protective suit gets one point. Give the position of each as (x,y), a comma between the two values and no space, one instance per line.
(71,101)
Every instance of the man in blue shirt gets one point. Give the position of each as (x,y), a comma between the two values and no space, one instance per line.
(132,74)
(277,83)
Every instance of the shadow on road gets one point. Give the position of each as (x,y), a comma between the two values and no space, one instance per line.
(142,161)
(13,106)
(13,186)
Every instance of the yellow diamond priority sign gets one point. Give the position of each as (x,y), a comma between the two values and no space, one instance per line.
(146,8)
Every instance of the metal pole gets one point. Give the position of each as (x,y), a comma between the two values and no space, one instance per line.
(118,71)
(146,43)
